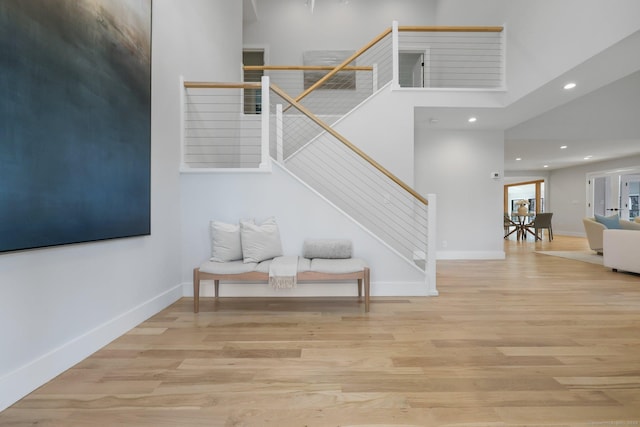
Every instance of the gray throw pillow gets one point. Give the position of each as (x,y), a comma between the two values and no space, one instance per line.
(326,248)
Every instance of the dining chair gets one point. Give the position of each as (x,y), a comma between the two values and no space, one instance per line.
(542,221)
(508,223)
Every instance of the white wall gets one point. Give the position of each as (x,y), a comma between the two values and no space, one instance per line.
(300,214)
(59,305)
(289,28)
(546,38)
(568,193)
(383,128)
(456,165)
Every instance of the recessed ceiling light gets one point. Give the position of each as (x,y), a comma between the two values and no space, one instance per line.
(569,86)
(588,157)
(545,166)
(472,119)
(562,147)
(518,158)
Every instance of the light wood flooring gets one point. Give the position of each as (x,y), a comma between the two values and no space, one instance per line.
(528,341)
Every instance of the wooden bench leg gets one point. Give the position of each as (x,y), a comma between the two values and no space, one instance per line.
(359,288)
(196,290)
(216,286)
(366,290)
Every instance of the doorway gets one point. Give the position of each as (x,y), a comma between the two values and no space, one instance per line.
(412,68)
(253,97)
(531,191)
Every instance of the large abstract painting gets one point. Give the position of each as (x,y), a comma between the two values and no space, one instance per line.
(75,121)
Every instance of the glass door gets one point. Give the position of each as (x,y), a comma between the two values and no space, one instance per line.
(614,193)
(629,195)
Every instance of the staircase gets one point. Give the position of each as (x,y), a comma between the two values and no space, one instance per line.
(301,130)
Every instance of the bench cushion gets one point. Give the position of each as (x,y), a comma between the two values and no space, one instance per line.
(320,265)
(337,266)
(231,267)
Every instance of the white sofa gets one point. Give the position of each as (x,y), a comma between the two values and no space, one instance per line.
(621,250)
(594,231)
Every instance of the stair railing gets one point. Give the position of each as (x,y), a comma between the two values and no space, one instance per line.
(353,181)
(224,126)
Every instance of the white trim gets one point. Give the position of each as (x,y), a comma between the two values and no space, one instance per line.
(452,255)
(22,381)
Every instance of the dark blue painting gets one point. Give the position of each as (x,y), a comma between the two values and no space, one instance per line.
(75,121)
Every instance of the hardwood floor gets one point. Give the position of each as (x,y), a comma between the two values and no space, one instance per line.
(533,340)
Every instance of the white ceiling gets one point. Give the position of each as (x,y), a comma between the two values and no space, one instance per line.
(599,118)
(603,124)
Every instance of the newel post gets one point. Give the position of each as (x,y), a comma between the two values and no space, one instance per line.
(395,53)
(265,162)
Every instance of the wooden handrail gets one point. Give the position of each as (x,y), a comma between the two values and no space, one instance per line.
(304,68)
(206,85)
(348,143)
(450,29)
(340,67)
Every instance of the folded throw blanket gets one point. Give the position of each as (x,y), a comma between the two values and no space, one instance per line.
(283,272)
(327,248)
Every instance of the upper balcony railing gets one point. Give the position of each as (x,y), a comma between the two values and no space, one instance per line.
(451,57)
(403,56)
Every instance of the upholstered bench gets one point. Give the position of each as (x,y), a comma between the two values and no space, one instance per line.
(316,269)
(250,252)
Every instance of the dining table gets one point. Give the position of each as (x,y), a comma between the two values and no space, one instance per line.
(523,222)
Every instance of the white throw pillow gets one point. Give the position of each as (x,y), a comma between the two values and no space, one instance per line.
(260,242)
(225,242)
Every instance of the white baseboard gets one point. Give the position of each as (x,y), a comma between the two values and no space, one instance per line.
(22,381)
(451,255)
(304,289)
